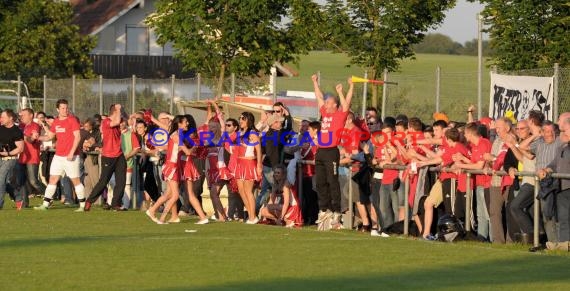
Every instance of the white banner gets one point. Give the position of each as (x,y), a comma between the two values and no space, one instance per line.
(520,94)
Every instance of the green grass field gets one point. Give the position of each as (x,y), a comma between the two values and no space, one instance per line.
(99,250)
(416,89)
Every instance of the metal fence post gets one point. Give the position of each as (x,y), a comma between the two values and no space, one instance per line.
(364,93)
(318,110)
(437,87)
(384,94)
(173,80)
(348,223)
(133,93)
(73,94)
(468,206)
(199,86)
(101,94)
(45,94)
(536,242)
(406,207)
(233,89)
(274,83)
(479,65)
(19,91)
(555,92)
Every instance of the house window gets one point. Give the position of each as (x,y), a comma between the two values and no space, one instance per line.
(137,40)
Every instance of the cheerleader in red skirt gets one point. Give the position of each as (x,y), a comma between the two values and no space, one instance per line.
(235,204)
(283,207)
(171,174)
(190,175)
(248,167)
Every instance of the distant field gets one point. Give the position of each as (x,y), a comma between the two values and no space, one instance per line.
(101,250)
(416,89)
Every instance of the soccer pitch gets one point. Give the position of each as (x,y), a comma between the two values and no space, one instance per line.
(101,250)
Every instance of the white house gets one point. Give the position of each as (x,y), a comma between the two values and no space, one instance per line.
(119,26)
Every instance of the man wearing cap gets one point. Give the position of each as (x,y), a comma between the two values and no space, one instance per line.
(112,159)
(333,113)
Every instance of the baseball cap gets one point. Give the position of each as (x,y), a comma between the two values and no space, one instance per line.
(440,116)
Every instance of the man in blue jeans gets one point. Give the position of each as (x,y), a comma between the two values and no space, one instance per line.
(29,160)
(11,144)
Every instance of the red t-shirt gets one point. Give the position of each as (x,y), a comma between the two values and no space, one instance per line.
(111,137)
(388,175)
(135,141)
(477,152)
(447,158)
(31,153)
(331,125)
(64,134)
(351,144)
(352,141)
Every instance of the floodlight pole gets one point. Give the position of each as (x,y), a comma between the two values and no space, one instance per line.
(479,64)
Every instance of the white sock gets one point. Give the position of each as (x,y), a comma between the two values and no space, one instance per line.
(80,192)
(48,194)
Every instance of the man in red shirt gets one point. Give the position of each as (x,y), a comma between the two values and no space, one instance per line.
(65,128)
(327,157)
(29,160)
(479,147)
(112,161)
(442,194)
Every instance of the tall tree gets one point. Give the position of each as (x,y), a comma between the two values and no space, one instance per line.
(377,34)
(527,34)
(37,38)
(237,36)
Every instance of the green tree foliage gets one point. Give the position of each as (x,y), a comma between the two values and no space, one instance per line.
(237,36)
(470,48)
(36,39)
(377,34)
(528,33)
(437,43)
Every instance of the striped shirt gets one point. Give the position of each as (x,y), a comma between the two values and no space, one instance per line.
(545,152)
(561,164)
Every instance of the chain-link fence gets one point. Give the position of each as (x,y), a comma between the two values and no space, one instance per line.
(90,96)
(413,94)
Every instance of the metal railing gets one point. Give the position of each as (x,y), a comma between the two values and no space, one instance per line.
(468,194)
(350,214)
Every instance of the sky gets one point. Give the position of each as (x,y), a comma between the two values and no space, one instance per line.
(461,22)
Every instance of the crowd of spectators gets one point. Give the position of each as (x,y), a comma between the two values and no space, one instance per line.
(258,164)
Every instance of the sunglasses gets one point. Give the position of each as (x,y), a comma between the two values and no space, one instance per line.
(277,111)
(229,124)
(242,117)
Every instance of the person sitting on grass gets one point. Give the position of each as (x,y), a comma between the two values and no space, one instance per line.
(282,207)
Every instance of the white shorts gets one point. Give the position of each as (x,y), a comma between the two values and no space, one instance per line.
(60,165)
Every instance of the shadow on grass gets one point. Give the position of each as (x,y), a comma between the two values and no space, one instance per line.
(33,242)
(539,270)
